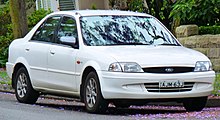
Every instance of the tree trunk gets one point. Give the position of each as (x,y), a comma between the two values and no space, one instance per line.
(18,17)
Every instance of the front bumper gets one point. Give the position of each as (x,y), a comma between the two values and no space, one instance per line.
(118,85)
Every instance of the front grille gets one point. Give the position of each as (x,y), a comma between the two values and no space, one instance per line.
(154,87)
(168,70)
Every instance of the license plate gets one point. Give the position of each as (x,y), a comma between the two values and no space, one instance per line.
(170,84)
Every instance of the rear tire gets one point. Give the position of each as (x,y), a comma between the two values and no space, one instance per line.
(195,104)
(93,99)
(23,89)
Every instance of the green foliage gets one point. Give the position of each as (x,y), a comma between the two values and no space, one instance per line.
(200,12)
(36,16)
(5,33)
(5,21)
(209,30)
(6,30)
(216,90)
(94,7)
(136,5)
(158,8)
(4,78)
(4,43)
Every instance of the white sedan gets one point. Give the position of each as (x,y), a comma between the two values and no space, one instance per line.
(103,56)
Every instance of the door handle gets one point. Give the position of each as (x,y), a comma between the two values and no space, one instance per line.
(27,49)
(52,52)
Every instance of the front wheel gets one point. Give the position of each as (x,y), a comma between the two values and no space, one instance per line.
(195,104)
(23,89)
(93,99)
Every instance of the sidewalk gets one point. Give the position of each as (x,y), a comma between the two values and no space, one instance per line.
(213,101)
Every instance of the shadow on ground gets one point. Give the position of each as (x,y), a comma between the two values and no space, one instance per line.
(116,111)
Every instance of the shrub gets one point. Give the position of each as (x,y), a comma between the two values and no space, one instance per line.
(209,30)
(4,43)
(200,12)
(5,34)
(136,5)
(36,16)
(5,21)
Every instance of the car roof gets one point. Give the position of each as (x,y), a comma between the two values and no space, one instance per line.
(100,12)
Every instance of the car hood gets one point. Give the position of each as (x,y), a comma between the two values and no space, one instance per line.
(152,56)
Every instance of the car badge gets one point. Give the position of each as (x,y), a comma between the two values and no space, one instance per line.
(169,70)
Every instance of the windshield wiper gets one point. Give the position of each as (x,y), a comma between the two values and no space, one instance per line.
(134,44)
(169,44)
(129,44)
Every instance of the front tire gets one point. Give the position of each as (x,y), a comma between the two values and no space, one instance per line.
(23,89)
(93,99)
(195,104)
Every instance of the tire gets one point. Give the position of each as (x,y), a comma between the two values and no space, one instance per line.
(93,99)
(195,104)
(23,89)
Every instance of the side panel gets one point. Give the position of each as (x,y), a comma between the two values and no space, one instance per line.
(36,57)
(61,68)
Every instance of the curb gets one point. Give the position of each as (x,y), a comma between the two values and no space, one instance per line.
(6,88)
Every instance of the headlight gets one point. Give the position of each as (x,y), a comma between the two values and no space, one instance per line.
(125,67)
(202,66)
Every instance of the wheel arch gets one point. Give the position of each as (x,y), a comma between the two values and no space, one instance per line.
(86,71)
(21,62)
(16,68)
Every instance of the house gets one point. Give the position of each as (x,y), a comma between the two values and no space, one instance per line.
(60,5)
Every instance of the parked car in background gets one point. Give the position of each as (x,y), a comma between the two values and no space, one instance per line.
(108,56)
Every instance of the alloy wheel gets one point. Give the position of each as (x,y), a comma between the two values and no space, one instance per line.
(91,92)
(22,85)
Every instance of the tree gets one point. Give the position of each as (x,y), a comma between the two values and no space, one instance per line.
(200,12)
(18,17)
(158,8)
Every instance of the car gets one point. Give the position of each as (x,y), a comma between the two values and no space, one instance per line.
(108,56)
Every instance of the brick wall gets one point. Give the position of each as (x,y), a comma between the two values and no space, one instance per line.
(207,44)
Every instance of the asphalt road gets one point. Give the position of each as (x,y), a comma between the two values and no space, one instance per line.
(55,109)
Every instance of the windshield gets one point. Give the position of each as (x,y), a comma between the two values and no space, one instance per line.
(124,30)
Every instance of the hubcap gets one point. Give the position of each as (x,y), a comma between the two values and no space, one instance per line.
(91,92)
(22,85)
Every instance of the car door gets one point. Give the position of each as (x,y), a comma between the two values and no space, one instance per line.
(62,57)
(37,51)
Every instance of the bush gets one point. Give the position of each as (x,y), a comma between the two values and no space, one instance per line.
(209,30)
(4,43)
(136,5)
(5,34)
(216,90)
(5,21)
(36,16)
(200,12)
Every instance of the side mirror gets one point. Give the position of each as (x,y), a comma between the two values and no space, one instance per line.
(68,40)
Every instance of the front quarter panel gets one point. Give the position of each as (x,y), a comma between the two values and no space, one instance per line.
(96,60)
